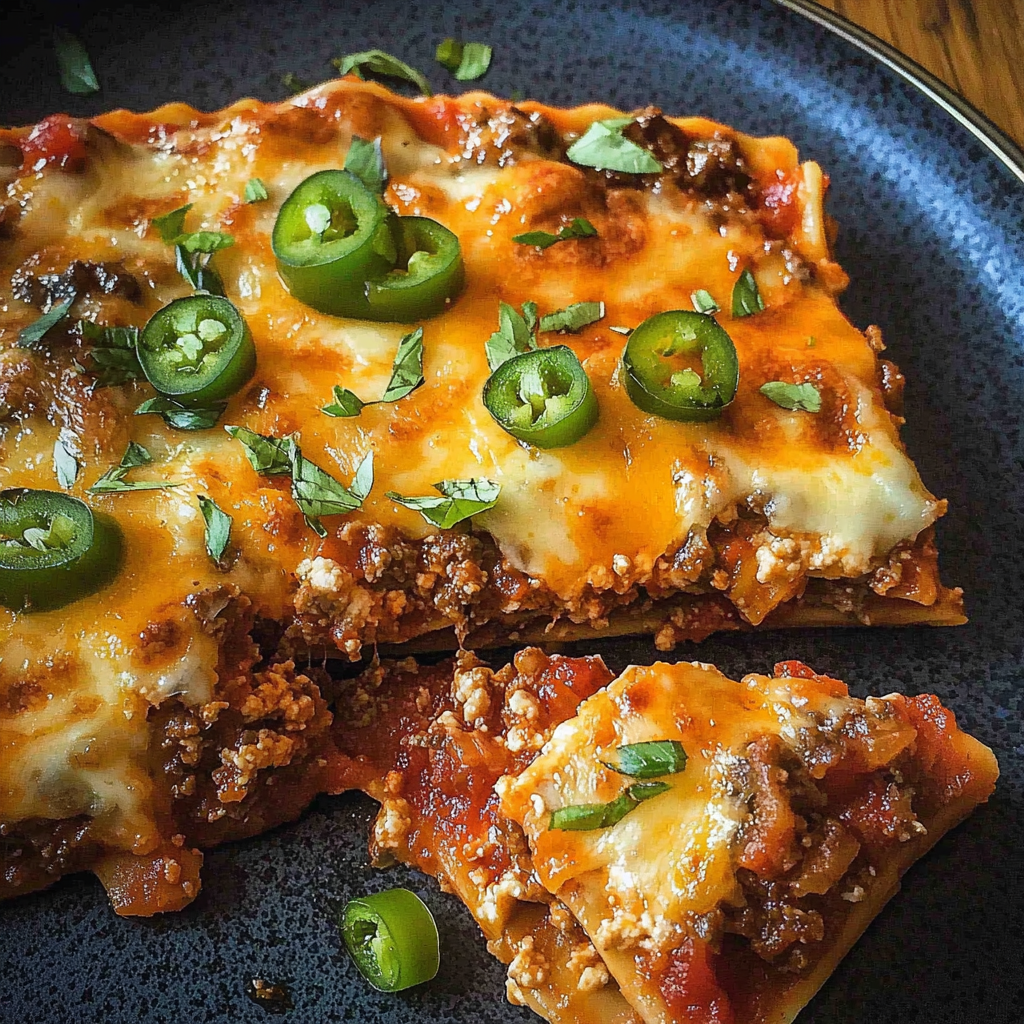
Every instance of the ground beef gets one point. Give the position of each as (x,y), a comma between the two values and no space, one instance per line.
(250,759)
(502,136)
(81,277)
(711,166)
(35,852)
(774,922)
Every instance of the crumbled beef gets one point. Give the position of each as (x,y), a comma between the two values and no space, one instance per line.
(35,852)
(502,136)
(81,277)
(712,166)
(250,758)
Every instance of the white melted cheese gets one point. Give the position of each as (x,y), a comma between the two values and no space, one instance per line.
(674,855)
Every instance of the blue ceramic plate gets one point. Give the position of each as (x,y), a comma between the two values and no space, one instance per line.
(932,217)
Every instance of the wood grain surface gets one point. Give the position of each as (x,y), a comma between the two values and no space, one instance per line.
(974,46)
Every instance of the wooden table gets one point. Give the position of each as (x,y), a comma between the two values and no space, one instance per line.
(974,46)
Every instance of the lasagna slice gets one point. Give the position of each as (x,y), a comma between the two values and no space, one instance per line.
(723,844)
(430,744)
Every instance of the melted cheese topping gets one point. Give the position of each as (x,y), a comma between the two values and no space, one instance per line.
(673,856)
(565,517)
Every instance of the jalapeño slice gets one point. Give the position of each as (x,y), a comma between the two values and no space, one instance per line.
(428,274)
(332,236)
(197,350)
(542,397)
(54,549)
(658,379)
(393,939)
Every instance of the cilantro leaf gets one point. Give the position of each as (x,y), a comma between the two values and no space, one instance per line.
(113,482)
(459,500)
(182,417)
(193,249)
(466,61)
(255,191)
(649,760)
(795,397)
(170,225)
(513,336)
(703,301)
(580,227)
(267,455)
(318,494)
(604,147)
(113,353)
(135,455)
(76,72)
(530,317)
(218,527)
(746,299)
(205,242)
(407,370)
(65,465)
(366,161)
(406,377)
(346,403)
(31,336)
(573,318)
(197,271)
(377,62)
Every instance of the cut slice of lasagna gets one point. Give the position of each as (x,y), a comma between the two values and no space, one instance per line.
(723,844)
(622,398)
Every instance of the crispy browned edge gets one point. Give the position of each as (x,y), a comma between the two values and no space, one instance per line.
(862,914)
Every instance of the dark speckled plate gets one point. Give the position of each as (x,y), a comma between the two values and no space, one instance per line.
(933,237)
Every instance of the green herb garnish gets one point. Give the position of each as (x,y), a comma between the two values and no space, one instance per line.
(31,336)
(113,482)
(604,147)
(588,817)
(377,62)
(182,417)
(703,302)
(459,500)
(406,377)
(746,299)
(573,318)
(218,527)
(366,161)
(65,465)
(255,191)
(318,494)
(76,72)
(466,61)
(514,336)
(795,397)
(649,760)
(267,455)
(579,228)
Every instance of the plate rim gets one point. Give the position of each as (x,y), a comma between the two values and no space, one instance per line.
(997,141)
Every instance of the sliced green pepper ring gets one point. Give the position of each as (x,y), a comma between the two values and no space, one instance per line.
(392,938)
(54,549)
(332,235)
(197,350)
(657,377)
(542,397)
(428,274)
